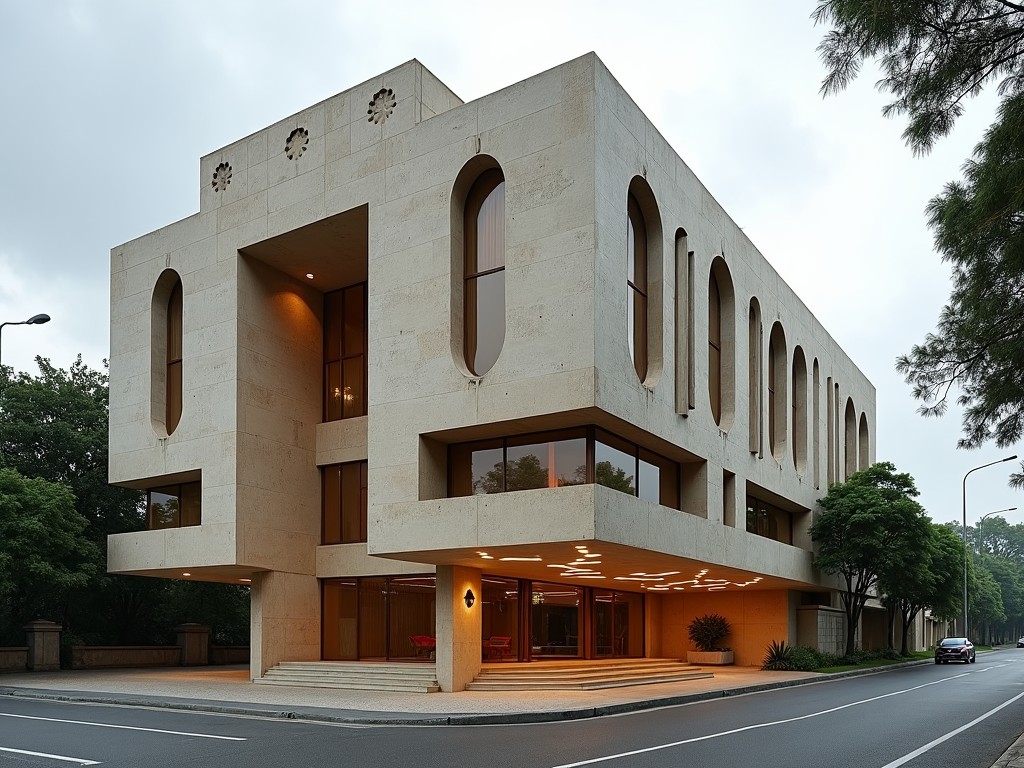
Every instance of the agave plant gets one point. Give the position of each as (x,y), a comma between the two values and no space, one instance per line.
(779,656)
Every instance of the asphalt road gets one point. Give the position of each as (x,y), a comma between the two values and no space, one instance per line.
(961,716)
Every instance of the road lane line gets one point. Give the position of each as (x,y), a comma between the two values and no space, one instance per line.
(65,758)
(931,744)
(757,726)
(126,727)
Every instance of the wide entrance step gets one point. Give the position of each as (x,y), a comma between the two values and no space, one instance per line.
(583,675)
(354,676)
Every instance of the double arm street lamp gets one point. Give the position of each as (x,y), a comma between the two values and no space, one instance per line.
(34,320)
(991,463)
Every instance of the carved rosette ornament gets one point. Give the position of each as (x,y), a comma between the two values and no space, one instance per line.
(296,143)
(381,106)
(221,177)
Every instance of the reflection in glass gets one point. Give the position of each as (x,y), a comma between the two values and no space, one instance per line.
(614,468)
(499,618)
(345,353)
(174,506)
(555,611)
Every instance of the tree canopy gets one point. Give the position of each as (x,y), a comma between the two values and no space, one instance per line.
(933,58)
(56,511)
(44,556)
(872,528)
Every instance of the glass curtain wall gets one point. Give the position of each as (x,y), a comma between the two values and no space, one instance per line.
(379,618)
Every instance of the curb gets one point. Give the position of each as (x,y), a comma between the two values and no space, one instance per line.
(361,717)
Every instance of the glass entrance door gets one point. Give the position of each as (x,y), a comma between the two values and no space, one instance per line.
(618,624)
(556,615)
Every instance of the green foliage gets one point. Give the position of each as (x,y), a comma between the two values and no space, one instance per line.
(53,529)
(44,556)
(778,657)
(872,529)
(933,57)
(708,632)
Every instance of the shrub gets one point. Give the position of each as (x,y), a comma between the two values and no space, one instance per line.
(779,656)
(708,631)
(805,659)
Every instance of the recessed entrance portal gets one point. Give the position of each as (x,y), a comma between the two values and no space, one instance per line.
(392,618)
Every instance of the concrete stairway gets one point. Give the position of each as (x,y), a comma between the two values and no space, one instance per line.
(583,675)
(354,676)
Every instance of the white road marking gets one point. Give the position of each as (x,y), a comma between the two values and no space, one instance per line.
(659,747)
(908,757)
(65,758)
(126,727)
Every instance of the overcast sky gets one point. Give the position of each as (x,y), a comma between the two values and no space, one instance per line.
(108,104)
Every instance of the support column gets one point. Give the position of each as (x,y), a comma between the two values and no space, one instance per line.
(43,639)
(285,620)
(458,627)
(194,641)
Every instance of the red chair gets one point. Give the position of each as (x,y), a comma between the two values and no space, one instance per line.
(423,644)
(497,647)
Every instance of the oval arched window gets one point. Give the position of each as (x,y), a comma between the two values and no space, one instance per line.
(172,380)
(636,283)
(484,281)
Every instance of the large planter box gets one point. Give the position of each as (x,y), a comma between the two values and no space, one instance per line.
(709,657)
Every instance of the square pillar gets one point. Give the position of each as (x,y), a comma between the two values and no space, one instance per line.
(458,627)
(43,638)
(284,622)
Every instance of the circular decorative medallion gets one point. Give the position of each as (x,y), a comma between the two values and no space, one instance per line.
(381,106)
(222,177)
(296,144)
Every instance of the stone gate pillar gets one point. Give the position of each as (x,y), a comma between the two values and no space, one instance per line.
(43,639)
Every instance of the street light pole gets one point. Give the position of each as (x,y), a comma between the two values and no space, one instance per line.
(981,520)
(991,463)
(34,320)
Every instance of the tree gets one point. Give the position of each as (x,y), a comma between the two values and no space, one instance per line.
(935,56)
(871,525)
(54,426)
(986,598)
(44,557)
(932,580)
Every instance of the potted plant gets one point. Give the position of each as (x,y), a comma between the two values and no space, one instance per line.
(708,633)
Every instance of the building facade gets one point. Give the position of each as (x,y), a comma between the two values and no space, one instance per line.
(485,381)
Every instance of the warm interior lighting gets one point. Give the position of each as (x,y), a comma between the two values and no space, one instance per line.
(470,598)
(186,573)
(309,275)
(521,559)
(245,581)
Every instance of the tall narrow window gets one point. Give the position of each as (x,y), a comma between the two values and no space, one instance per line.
(715,347)
(777,373)
(799,401)
(816,424)
(343,503)
(484,288)
(173,373)
(636,282)
(345,353)
(862,441)
(850,433)
(755,377)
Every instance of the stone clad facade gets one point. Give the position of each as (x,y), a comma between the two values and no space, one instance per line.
(653,498)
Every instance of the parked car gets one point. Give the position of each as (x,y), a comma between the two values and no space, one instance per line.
(1020,642)
(954,649)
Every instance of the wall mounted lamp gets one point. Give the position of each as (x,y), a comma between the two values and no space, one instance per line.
(470,598)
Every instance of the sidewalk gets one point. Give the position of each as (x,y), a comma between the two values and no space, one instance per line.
(228,690)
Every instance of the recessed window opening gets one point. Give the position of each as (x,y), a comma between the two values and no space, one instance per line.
(174,506)
(484,272)
(345,353)
(578,456)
